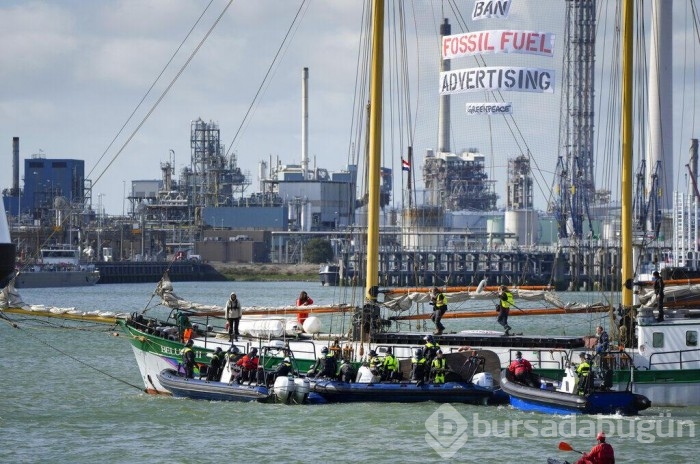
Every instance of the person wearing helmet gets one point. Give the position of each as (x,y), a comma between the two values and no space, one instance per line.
(375,363)
(506,300)
(326,365)
(283,369)
(521,370)
(601,453)
(438,368)
(233,317)
(583,369)
(439,303)
(430,348)
(390,366)
(216,365)
(188,359)
(347,372)
(418,363)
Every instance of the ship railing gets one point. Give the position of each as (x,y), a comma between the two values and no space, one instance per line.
(684,359)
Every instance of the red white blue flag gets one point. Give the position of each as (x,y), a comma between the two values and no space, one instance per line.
(405,165)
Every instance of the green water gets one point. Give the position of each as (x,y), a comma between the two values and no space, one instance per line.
(74,396)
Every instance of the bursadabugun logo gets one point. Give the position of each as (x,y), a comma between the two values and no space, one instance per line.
(447,428)
(447,431)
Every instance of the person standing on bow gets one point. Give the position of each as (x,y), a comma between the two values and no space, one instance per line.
(233,316)
(659,292)
(188,359)
(505,302)
(438,301)
(438,368)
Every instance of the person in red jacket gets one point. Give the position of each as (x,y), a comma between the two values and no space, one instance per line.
(303,300)
(602,453)
(249,366)
(521,370)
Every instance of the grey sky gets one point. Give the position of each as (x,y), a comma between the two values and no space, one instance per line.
(73,71)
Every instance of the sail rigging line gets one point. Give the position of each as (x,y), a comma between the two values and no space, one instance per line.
(164,93)
(148,92)
(268,74)
(70,356)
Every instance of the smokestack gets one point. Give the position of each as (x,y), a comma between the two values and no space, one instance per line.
(305,122)
(15,167)
(444,103)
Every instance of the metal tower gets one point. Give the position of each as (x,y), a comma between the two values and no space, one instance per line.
(575,187)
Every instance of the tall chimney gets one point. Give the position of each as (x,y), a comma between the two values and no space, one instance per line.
(444,102)
(305,122)
(15,167)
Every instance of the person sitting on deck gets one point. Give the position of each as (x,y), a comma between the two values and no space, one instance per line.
(521,370)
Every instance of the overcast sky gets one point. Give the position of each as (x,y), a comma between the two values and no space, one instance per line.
(72,72)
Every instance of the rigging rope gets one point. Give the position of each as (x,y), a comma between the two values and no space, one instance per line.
(68,355)
(164,93)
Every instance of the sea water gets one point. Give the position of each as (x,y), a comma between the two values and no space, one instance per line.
(73,394)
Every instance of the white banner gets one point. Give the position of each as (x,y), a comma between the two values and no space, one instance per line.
(511,78)
(498,41)
(490,9)
(490,108)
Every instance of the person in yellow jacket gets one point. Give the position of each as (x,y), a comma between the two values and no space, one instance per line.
(505,302)
(438,301)
(583,370)
(439,368)
(390,366)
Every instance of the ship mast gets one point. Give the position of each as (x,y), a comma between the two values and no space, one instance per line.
(375,135)
(626,129)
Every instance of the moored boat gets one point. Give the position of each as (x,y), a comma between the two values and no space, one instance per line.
(58,266)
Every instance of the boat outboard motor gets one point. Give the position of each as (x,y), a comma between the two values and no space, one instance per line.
(7,250)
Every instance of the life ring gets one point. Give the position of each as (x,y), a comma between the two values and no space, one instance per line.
(642,347)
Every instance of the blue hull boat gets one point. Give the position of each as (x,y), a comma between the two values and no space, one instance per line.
(335,391)
(182,387)
(544,398)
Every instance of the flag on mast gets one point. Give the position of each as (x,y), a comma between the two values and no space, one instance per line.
(405,165)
